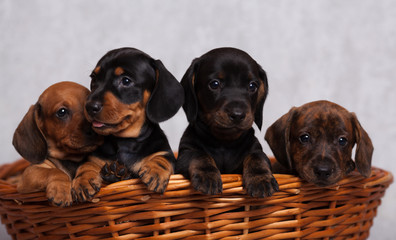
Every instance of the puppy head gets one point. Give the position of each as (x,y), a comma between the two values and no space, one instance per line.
(316,141)
(55,126)
(226,89)
(128,88)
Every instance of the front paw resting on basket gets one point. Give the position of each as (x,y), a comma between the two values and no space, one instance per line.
(114,172)
(85,186)
(59,193)
(207,180)
(155,172)
(260,184)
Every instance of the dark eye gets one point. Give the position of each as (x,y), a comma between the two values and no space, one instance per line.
(342,141)
(62,113)
(214,84)
(253,86)
(304,138)
(126,81)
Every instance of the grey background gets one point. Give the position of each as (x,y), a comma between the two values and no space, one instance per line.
(343,51)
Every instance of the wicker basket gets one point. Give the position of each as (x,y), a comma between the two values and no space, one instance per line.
(126,210)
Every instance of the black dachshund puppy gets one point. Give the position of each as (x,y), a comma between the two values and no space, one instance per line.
(225,90)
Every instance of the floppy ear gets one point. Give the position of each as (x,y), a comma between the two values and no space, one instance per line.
(258,116)
(190,105)
(278,138)
(364,148)
(28,140)
(167,96)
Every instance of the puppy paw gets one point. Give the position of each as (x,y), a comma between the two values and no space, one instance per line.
(59,193)
(155,173)
(114,172)
(260,185)
(85,186)
(208,182)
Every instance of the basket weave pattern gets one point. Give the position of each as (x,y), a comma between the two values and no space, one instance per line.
(127,210)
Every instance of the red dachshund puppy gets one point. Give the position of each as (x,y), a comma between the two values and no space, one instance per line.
(56,138)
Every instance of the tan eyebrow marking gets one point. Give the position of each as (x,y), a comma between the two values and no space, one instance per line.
(118,71)
(96,70)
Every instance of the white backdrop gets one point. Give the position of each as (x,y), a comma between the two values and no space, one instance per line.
(343,51)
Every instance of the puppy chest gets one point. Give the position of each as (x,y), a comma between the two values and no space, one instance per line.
(228,160)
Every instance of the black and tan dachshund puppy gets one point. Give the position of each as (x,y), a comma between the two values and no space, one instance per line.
(315,141)
(131,94)
(225,90)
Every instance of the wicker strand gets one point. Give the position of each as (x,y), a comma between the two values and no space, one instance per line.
(127,210)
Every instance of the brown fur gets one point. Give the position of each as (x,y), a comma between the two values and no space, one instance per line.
(154,171)
(124,120)
(97,70)
(131,94)
(323,159)
(55,143)
(46,176)
(87,181)
(118,71)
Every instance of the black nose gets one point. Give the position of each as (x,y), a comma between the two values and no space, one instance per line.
(236,115)
(323,172)
(93,107)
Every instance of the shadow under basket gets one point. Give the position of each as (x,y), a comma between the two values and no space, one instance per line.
(127,210)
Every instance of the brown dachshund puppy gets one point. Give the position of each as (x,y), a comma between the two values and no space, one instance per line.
(225,90)
(55,136)
(131,94)
(315,141)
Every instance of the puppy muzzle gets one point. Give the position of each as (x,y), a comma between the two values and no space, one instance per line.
(237,114)
(325,171)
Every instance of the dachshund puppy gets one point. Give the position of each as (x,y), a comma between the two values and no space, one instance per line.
(315,141)
(225,90)
(131,94)
(56,138)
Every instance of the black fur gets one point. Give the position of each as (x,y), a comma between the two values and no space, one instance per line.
(225,90)
(146,76)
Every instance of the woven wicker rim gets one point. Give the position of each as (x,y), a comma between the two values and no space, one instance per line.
(180,187)
(127,210)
